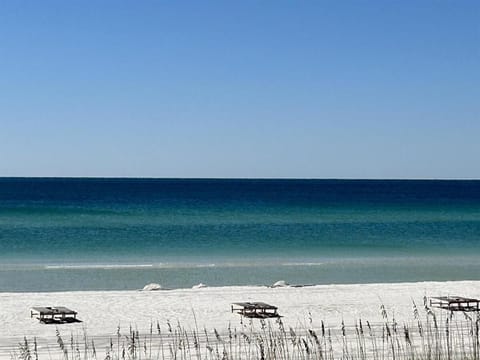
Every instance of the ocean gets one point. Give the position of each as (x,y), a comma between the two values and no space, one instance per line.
(64,234)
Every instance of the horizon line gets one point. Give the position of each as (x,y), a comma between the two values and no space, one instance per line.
(238,178)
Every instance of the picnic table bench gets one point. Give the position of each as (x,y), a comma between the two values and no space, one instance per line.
(455,303)
(55,314)
(255,310)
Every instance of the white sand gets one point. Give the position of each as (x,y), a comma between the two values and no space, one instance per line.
(102,311)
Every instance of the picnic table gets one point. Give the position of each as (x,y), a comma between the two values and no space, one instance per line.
(455,303)
(54,314)
(255,310)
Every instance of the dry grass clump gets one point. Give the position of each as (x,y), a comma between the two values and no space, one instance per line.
(427,337)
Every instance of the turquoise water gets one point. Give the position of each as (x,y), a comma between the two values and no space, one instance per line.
(89,234)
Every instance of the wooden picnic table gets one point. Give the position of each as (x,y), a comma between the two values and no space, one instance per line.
(53,314)
(255,310)
(455,303)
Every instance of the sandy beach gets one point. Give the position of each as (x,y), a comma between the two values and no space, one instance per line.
(102,312)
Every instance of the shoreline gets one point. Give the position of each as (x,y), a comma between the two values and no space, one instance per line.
(241,286)
(131,277)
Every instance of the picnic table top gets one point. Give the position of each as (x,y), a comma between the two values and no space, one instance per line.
(53,310)
(455,299)
(255,306)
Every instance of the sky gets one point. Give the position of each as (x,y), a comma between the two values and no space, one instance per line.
(290,89)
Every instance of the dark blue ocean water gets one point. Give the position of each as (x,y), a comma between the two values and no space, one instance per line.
(73,234)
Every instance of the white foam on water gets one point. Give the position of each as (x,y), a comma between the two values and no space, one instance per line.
(97,266)
(303,264)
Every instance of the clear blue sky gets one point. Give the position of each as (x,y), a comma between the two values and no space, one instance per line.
(344,89)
